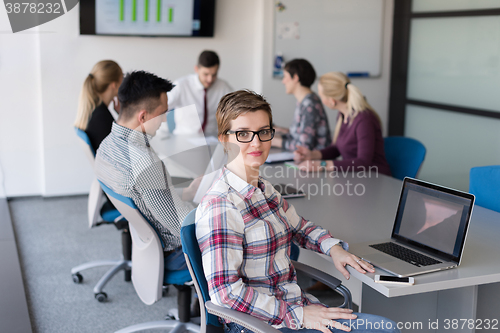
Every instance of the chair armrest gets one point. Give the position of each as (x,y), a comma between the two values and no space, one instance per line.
(327,279)
(243,319)
(314,273)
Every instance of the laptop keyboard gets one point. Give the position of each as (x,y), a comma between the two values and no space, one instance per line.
(405,254)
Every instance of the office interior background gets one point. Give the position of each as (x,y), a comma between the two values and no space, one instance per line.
(42,72)
(452,61)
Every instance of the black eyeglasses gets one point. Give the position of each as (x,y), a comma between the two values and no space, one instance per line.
(247,136)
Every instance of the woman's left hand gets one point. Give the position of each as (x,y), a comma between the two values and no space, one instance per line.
(341,258)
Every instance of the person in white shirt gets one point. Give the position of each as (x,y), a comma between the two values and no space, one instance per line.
(203,89)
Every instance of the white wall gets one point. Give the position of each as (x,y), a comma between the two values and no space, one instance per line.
(41,72)
(20,110)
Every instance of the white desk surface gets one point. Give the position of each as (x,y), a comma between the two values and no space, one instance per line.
(182,156)
(370,216)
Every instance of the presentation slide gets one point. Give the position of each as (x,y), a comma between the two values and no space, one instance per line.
(145,17)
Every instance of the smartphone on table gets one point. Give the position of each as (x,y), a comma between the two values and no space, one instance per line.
(391,279)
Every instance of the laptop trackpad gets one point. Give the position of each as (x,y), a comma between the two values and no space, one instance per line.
(380,258)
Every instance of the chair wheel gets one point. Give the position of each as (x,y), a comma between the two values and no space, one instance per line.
(101,297)
(77,278)
(169,317)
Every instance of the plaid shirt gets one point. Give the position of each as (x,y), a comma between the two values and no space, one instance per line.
(245,234)
(129,166)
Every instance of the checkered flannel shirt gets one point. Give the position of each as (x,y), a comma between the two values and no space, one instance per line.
(245,234)
(129,166)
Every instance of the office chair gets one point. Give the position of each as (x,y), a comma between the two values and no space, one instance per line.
(404,155)
(103,213)
(210,311)
(484,183)
(171,121)
(148,275)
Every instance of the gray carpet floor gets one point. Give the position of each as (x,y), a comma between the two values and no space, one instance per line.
(52,237)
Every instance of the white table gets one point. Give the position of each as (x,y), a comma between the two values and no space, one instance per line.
(184,155)
(471,291)
(358,209)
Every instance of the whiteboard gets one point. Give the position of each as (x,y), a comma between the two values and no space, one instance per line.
(334,35)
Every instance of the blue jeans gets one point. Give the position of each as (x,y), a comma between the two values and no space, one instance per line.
(175,261)
(365,323)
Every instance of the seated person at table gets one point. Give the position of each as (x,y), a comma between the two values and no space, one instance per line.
(203,89)
(245,230)
(310,126)
(127,164)
(99,89)
(358,134)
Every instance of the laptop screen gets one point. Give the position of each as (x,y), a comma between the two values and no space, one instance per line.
(434,218)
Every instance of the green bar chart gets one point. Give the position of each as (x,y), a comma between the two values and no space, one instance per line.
(134,10)
(158,10)
(122,10)
(169,17)
(146,11)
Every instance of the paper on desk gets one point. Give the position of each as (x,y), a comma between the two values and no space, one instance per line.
(177,170)
(292,165)
(279,157)
(203,141)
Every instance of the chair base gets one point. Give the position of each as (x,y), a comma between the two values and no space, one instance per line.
(117,266)
(173,314)
(177,327)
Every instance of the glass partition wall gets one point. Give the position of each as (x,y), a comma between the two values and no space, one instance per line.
(445,84)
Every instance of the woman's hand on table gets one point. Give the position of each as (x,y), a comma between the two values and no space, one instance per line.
(320,318)
(341,258)
(301,154)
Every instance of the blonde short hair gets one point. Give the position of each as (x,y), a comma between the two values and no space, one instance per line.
(236,103)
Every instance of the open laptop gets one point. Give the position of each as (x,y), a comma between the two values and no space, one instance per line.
(429,231)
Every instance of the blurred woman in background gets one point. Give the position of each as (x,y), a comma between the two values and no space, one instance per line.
(99,89)
(358,133)
(310,126)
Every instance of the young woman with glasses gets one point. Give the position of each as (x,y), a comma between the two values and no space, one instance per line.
(245,230)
